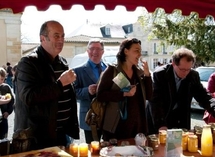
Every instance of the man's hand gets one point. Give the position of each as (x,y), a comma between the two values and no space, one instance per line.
(212,111)
(67,77)
(92,89)
(5,115)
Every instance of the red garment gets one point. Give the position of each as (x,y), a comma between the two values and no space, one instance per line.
(208,118)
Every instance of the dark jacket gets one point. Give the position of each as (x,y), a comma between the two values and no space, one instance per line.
(109,92)
(4,89)
(37,96)
(166,96)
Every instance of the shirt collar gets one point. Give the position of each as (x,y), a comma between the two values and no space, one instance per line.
(92,64)
(176,77)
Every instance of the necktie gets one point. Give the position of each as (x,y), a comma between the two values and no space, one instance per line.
(99,68)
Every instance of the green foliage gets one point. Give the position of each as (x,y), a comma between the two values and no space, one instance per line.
(187,31)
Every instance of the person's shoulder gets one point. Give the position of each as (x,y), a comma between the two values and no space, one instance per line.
(5,86)
(164,69)
(193,72)
(213,75)
(80,68)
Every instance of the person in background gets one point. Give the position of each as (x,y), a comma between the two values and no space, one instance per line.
(14,78)
(4,67)
(207,117)
(6,108)
(45,96)
(174,86)
(125,113)
(9,77)
(86,82)
(158,65)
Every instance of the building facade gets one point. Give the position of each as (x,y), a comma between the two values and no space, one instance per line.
(10,37)
(12,49)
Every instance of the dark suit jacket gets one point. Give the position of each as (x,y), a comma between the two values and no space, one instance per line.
(85,77)
(37,97)
(165,97)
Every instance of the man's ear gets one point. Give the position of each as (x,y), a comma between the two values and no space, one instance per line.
(42,38)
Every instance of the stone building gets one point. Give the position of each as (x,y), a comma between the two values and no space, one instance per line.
(10,37)
(12,48)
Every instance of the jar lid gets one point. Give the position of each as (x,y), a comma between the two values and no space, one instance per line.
(163,132)
(154,139)
(206,126)
(192,136)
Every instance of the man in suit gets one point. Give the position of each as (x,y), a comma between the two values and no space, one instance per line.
(86,82)
(174,87)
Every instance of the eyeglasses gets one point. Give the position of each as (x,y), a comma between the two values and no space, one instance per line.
(95,49)
(184,70)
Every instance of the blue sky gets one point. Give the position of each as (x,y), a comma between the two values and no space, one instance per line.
(76,16)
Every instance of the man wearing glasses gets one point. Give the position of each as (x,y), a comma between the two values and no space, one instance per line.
(86,82)
(174,86)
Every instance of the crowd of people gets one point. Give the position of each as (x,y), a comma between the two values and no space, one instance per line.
(47,92)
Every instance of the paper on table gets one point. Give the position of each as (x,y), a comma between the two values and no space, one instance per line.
(121,80)
(131,150)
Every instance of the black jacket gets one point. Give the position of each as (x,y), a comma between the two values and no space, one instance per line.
(37,96)
(4,89)
(165,97)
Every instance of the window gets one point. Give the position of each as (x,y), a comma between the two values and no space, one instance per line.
(155,49)
(164,49)
(165,61)
(107,30)
(129,29)
(144,53)
(155,62)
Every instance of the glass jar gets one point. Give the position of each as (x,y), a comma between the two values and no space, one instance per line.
(184,141)
(140,139)
(199,135)
(162,136)
(154,143)
(149,137)
(214,135)
(207,141)
(192,143)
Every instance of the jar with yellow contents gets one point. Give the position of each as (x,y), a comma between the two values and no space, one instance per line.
(184,141)
(192,143)
(162,136)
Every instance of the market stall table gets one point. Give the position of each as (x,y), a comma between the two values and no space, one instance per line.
(65,153)
(160,152)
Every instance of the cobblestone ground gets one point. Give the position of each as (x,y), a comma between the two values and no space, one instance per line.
(196,119)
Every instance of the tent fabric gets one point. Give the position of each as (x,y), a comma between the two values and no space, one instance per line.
(202,7)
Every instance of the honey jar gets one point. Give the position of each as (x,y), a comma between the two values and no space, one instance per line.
(162,136)
(192,143)
(207,141)
(214,136)
(154,143)
(184,141)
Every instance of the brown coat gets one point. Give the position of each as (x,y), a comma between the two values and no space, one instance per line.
(110,92)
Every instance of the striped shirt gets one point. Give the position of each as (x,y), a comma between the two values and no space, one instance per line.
(64,101)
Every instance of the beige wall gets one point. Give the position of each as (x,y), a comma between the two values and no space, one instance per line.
(3,43)
(10,37)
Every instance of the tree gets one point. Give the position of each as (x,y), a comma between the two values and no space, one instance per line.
(188,31)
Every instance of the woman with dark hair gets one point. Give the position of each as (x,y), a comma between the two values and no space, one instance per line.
(125,114)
